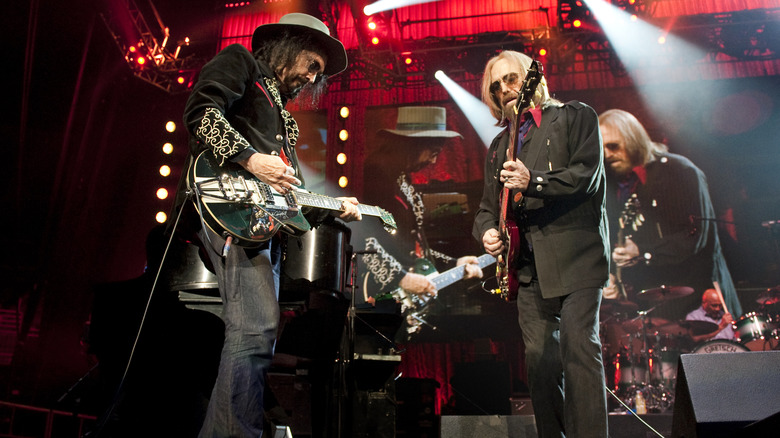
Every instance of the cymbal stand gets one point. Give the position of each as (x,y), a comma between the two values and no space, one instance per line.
(347,350)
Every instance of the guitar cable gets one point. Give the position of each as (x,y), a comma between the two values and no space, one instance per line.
(118,393)
(632,411)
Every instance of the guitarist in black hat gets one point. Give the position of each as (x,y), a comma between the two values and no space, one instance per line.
(556,197)
(237,113)
(419,136)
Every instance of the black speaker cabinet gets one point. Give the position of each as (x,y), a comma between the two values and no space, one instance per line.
(727,394)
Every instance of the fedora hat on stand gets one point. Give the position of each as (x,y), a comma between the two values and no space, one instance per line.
(306,24)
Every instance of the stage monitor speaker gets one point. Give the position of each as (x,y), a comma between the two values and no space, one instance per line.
(726,394)
(482,388)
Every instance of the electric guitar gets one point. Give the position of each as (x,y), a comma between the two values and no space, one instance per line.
(631,218)
(233,202)
(413,306)
(508,230)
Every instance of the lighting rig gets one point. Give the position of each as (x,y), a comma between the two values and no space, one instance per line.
(383,61)
(150,59)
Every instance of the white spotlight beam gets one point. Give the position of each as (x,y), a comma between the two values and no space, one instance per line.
(476,112)
(640,45)
(386,5)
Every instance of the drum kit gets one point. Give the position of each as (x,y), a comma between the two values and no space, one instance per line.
(641,351)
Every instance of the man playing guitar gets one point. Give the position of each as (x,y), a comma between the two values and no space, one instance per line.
(553,185)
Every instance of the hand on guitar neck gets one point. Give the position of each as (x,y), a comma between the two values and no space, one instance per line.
(515,175)
(418,284)
(492,242)
(271,170)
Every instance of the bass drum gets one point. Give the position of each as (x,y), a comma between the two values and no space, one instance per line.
(719,346)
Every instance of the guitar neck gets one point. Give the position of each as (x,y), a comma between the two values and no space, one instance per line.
(455,274)
(309,199)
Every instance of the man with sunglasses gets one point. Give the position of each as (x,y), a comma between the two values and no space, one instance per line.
(557,198)
(237,113)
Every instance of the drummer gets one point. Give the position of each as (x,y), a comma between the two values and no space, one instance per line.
(711,311)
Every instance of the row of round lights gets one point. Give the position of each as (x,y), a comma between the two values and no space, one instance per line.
(341,157)
(165,172)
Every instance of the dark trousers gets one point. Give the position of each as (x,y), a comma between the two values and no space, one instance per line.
(563,356)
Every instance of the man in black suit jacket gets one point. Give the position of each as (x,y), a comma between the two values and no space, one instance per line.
(557,192)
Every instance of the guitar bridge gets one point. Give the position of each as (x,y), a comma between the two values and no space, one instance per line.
(241,194)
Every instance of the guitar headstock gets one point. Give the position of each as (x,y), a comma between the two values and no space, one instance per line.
(388,220)
(631,215)
(527,90)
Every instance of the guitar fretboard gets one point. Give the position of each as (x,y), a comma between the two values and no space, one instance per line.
(453,275)
(325,202)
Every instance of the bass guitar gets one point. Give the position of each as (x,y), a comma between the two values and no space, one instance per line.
(413,306)
(507,226)
(233,202)
(629,218)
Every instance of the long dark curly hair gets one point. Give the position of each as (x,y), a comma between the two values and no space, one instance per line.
(282,50)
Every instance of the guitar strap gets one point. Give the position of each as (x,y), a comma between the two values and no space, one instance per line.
(422,249)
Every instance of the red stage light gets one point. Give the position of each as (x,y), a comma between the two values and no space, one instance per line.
(576,23)
(542,52)
(374,40)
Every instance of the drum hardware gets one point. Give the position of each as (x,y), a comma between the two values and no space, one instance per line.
(756,332)
(652,367)
(696,328)
(719,346)
(643,371)
(769,297)
(664,293)
(618,307)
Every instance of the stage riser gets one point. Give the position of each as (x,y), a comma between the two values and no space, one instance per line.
(524,426)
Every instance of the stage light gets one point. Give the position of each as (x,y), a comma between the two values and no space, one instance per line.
(343,181)
(140,60)
(375,40)
(180,79)
(344,112)
(372,25)
(161,217)
(170,126)
(341,158)
(542,52)
(386,5)
(167,148)
(162,193)
(343,135)
(574,15)
(475,111)
(165,170)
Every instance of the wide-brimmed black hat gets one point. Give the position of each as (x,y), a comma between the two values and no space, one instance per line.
(421,121)
(304,23)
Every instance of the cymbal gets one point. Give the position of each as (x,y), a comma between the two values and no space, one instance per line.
(699,327)
(618,306)
(672,328)
(652,324)
(664,293)
(769,297)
